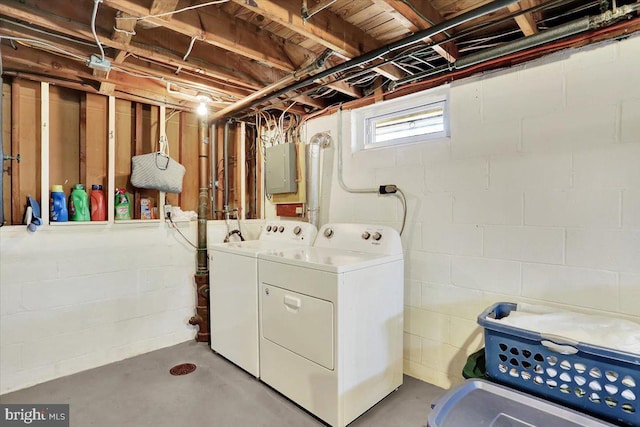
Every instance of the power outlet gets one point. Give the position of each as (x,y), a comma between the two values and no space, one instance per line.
(167,211)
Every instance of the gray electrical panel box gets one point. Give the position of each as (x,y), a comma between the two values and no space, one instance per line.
(281,169)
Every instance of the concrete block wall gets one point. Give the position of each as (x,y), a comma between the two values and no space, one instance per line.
(80,296)
(535,197)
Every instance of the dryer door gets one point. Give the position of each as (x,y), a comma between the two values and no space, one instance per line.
(300,323)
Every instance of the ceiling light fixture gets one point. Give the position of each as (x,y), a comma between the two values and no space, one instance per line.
(202,109)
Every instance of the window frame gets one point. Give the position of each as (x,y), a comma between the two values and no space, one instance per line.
(364,119)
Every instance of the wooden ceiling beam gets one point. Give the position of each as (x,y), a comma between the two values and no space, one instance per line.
(217,28)
(421,15)
(325,28)
(122,33)
(191,86)
(526,22)
(226,70)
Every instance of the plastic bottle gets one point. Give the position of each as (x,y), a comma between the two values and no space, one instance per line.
(79,204)
(123,204)
(59,212)
(98,204)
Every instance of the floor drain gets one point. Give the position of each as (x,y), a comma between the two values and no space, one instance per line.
(183,369)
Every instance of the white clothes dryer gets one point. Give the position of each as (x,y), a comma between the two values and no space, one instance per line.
(233,289)
(331,320)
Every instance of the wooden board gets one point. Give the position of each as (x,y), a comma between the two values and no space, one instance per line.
(124,141)
(189,150)
(173,135)
(96,141)
(6,149)
(64,138)
(29,143)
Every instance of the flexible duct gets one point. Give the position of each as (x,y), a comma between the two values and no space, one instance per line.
(316,144)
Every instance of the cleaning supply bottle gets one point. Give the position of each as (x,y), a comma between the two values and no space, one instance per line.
(123,204)
(59,212)
(79,204)
(98,204)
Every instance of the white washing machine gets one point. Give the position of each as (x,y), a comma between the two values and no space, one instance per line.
(233,289)
(331,320)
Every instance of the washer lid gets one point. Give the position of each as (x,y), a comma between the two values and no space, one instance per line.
(250,248)
(327,259)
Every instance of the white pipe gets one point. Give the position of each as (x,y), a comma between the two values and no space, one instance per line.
(340,179)
(316,143)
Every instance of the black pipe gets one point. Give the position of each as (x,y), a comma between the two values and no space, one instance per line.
(381,51)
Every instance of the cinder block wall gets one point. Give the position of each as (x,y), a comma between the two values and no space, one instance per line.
(80,296)
(535,197)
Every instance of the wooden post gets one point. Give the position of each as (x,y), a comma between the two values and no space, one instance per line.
(137,150)
(44,152)
(15,150)
(111,173)
(83,142)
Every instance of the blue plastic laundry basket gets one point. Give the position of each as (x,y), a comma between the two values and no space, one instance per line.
(592,379)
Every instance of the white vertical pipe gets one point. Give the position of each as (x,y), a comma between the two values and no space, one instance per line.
(44,152)
(111,147)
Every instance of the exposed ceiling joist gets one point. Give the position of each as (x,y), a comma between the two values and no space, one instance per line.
(229,74)
(122,33)
(325,28)
(420,15)
(222,70)
(217,28)
(525,21)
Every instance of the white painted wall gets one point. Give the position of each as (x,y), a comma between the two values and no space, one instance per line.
(535,197)
(79,296)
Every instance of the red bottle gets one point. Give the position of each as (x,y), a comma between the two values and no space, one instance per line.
(98,204)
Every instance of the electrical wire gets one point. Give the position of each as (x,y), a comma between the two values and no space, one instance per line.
(175,227)
(404,209)
(93,26)
(24,41)
(140,18)
(37,30)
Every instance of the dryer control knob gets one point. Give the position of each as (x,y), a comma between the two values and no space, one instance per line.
(328,233)
(268,228)
(377,236)
(297,230)
(281,229)
(366,235)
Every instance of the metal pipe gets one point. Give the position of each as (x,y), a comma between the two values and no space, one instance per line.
(308,13)
(214,168)
(316,64)
(201,319)
(562,31)
(316,143)
(225,157)
(381,51)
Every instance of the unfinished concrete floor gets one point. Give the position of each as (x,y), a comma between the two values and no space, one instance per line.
(140,392)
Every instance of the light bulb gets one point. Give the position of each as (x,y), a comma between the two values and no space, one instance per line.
(202,109)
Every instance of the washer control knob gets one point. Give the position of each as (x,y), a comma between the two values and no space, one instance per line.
(328,233)
(268,228)
(281,229)
(366,235)
(377,236)
(297,230)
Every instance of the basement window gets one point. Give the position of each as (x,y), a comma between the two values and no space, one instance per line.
(412,119)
